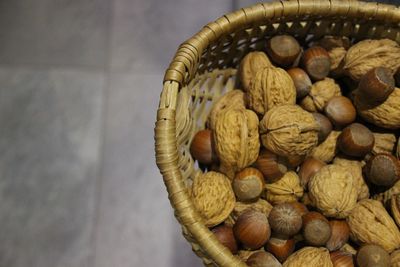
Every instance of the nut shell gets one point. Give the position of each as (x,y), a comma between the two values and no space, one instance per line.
(309,256)
(285,220)
(340,111)
(248,184)
(321,92)
(356,140)
(225,236)
(289,130)
(395,258)
(287,189)
(272,166)
(262,259)
(370,223)
(376,85)
(328,149)
(250,64)
(301,81)
(213,197)
(280,248)
(382,169)
(384,143)
(325,126)
(342,259)
(283,50)
(372,256)
(309,167)
(316,229)
(260,205)
(340,234)
(395,208)
(202,147)
(316,62)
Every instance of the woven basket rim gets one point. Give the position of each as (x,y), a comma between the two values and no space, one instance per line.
(183,68)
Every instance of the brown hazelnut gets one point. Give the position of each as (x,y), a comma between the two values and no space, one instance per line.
(225,236)
(330,42)
(340,235)
(283,50)
(285,220)
(356,140)
(376,85)
(340,111)
(252,229)
(325,126)
(280,248)
(272,166)
(202,147)
(309,167)
(262,259)
(301,81)
(300,207)
(382,169)
(316,62)
(316,229)
(248,184)
(342,259)
(372,256)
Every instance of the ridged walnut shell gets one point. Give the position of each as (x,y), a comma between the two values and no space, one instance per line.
(328,149)
(355,168)
(385,197)
(232,99)
(213,197)
(370,223)
(272,87)
(395,258)
(385,115)
(395,208)
(369,54)
(337,56)
(384,143)
(289,131)
(333,190)
(309,256)
(320,94)
(250,64)
(286,189)
(236,139)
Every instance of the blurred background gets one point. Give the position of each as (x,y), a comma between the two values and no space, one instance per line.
(79,89)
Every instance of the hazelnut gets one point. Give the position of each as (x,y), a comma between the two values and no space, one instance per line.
(280,248)
(376,85)
(340,235)
(340,111)
(285,220)
(272,166)
(342,259)
(356,140)
(330,42)
(301,81)
(202,147)
(225,236)
(382,169)
(316,229)
(252,229)
(317,62)
(283,50)
(300,207)
(248,184)
(309,167)
(372,256)
(262,259)
(325,126)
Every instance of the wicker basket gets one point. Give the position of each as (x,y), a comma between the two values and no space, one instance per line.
(204,68)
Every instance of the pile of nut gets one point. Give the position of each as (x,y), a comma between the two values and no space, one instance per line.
(301,163)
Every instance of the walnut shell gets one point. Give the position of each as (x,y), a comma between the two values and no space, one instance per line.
(355,168)
(213,197)
(395,208)
(286,189)
(260,205)
(333,190)
(271,87)
(309,256)
(289,131)
(236,139)
(250,64)
(388,194)
(349,249)
(385,115)
(369,54)
(370,223)
(337,56)
(384,143)
(395,258)
(328,149)
(320,94)
(232,99)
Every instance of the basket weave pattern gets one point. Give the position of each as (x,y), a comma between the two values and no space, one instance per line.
(204,68)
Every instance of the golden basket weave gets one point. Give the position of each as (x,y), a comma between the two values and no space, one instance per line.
(204,68)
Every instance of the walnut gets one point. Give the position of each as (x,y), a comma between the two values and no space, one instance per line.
(370,223)
(260,205)
(232,99)
(386,115)
(249,66)
(271,87)
(289,131)
(395,258)
(349,249)
(320,94)
(337,56)
(213,197)
(236,139)
(333,190)
(369,54)
(309,256)
(395,208)
(384,143)
(388,194)
(328,149)
(355,168)
(286,189)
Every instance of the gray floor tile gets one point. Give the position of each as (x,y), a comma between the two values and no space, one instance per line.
(49,143)
(54,32)
(136,226)
(146,34)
